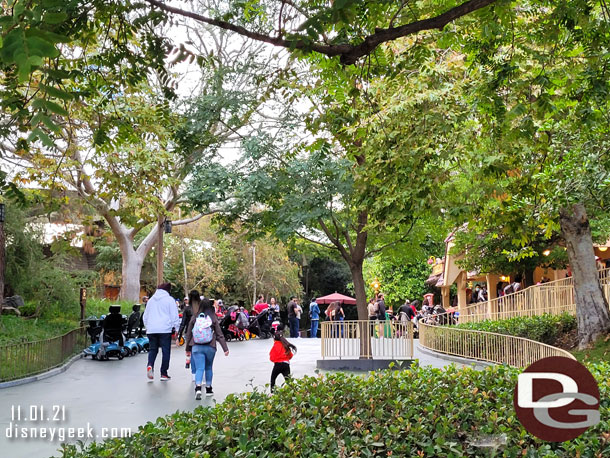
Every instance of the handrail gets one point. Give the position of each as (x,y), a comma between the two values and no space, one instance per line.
(18,360)
(362,339)
(554,298)
(486,346)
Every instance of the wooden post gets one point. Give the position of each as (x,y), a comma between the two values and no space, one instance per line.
(461,285)
(160,251)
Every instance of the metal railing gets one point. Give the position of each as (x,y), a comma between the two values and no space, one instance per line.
(20,360)
(361,339)
(486,346)
(554,298)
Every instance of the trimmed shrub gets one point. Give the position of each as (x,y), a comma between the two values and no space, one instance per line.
(417,412)
(542,328)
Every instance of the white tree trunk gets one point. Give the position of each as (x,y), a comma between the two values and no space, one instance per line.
(130,274)
(591,306)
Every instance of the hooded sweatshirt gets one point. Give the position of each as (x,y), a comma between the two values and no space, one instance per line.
(161,314)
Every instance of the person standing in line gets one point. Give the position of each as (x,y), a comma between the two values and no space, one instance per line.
(381,308)
(299,312)
(274,306)
(161,320)
(293,321)
(372,309)
(281,353)
(203,353)
(314,315)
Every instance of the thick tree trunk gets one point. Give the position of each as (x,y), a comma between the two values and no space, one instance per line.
(359,289)
(591,306)
(130,274)
(2,264)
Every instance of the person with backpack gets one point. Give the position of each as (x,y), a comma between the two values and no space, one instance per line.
(280,355)
(187,315)
(202,334)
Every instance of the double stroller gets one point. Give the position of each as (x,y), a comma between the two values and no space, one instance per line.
(264,324)
(234,324)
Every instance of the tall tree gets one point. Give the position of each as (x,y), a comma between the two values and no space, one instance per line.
(126,150)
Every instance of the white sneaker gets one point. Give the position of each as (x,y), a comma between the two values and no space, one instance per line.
(198,394)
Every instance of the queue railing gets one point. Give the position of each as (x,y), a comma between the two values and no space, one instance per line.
(357,339)
(485,346)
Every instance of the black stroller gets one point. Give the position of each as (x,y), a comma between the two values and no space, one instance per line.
(260,325)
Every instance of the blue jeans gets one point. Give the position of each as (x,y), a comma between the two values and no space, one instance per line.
(203,355)
(164,341)
(294,326)
(314,328)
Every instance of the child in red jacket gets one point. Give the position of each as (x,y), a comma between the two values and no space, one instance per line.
(281,353)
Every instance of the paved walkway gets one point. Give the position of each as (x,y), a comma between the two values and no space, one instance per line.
(115,394)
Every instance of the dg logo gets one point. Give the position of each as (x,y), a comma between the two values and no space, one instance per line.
(556,399)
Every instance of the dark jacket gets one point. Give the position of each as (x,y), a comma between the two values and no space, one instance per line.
(187,314)
(218,335)
(381,312)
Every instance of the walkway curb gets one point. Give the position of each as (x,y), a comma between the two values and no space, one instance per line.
(34,378)
(457,359)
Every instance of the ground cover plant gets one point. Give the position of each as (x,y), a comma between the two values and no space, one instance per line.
(421,412)
(542,328)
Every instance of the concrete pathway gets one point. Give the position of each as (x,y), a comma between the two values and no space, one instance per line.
(100,395)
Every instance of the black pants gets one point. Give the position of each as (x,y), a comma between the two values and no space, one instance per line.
(279,368)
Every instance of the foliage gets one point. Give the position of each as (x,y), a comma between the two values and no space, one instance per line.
(542,328)
(41,280)
(431,412)
(326,275)
(17,329)
(599,351)
(494,252)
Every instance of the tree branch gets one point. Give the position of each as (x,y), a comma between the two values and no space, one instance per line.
(330,247)
(401,239)
(348,53)
(193,219)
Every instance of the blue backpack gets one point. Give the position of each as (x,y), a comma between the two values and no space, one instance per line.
(202,330)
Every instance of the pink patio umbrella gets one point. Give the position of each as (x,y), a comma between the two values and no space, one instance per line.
(336,297)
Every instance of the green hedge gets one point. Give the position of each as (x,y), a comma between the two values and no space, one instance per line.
(419,412)
(543,328)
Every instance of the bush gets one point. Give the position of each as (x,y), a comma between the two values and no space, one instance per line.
(419,412)
(542,328)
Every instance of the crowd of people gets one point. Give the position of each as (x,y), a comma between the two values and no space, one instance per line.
(198,329)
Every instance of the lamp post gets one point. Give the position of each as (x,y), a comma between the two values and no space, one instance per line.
(165,226)
(375,285)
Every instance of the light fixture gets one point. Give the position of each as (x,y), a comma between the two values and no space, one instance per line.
(168,226)
(546,252)
(602,248)
(375,284)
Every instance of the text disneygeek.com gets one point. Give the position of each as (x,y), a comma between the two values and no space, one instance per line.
(27,423)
